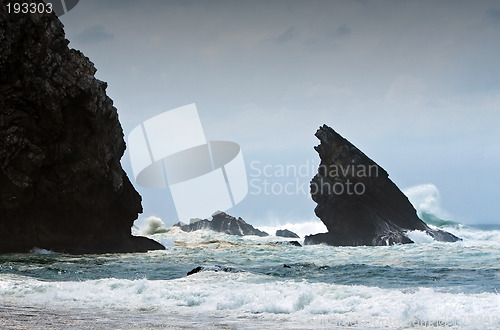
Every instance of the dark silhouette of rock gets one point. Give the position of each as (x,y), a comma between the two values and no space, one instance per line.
(294,243)
(357,201)
(223,223)
(215,268)
(286,233)
(62,187)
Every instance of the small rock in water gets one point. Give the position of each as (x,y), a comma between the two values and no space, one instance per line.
(286,233)
(294,243)
(223,223)
(215,268)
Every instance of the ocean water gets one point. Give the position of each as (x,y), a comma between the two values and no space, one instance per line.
(423,285)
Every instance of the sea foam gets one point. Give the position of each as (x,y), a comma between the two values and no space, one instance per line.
(240,295)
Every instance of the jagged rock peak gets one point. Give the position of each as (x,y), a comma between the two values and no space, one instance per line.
(286,233)
(224,223)
(357,201)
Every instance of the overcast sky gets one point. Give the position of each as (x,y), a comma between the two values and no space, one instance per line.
(413,84)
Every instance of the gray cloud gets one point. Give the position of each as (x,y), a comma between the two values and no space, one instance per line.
(94,34)
(493,14)
(328,40)
(343,30)
(288,35)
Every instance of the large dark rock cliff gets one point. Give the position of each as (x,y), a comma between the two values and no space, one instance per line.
(61,183)
(357,201)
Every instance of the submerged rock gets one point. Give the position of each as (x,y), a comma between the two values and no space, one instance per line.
(215,268)
(294,243)
(223,223)
(357,201)
(62,187)
(286,233)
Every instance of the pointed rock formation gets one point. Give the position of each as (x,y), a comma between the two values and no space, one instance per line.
(223,223)
(357,201)
(286,233)
(62,187)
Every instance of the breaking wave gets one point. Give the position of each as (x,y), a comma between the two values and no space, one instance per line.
(425,198)
(153,225)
